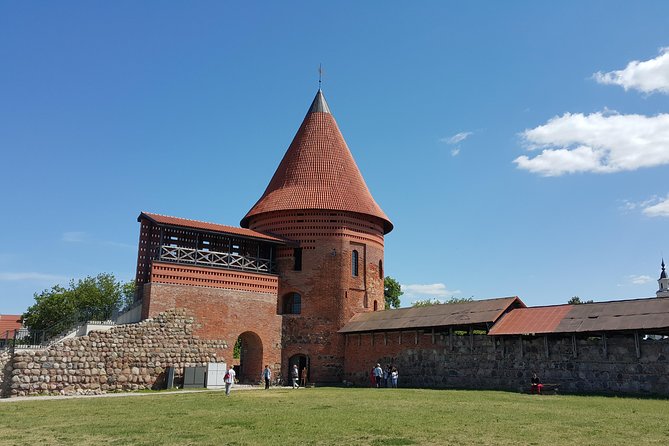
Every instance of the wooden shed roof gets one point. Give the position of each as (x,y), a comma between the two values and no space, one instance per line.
(476,312)
(650,314)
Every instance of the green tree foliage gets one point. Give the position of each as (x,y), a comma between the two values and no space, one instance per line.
(575,300)
(392,290)
(237,349)
(92,298)
(451,300)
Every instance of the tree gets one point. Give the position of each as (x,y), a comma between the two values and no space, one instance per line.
(575,300)
(92,298)
(392,290)
(451,300)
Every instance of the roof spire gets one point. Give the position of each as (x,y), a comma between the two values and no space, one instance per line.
(319,104)
(320,75)
(663,274)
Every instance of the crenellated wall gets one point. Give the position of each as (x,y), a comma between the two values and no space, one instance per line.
(579,365)
(128,357)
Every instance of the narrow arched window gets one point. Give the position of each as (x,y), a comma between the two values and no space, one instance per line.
(376,306)
(354,263)
(380,269)
(292,304)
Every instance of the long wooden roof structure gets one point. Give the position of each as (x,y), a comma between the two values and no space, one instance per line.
(478,312)
(651,315)
(211,227)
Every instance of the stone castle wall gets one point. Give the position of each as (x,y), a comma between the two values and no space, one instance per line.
(594,365)
(128,357)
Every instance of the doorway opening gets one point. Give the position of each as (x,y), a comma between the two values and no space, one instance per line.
(303,366)
(249,349)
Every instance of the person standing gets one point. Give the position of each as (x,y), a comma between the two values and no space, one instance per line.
(229,379)
(378,375)
(303,377)
(394,374)
(267,375)
(295,374)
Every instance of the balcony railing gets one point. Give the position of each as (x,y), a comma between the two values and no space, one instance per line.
(216,259)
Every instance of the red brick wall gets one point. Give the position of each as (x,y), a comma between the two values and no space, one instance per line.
(331,295)
(225,314)
(165,272)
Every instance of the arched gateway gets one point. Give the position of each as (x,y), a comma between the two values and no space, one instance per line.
(250,357)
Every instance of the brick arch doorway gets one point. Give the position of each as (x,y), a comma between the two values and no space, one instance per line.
(303,363)
(250,358)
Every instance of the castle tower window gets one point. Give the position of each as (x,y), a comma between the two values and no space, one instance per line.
(297,254)
(292,303)
(354,263)
(380,269)
(376,306)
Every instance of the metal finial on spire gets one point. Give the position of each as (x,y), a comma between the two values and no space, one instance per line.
(320,74)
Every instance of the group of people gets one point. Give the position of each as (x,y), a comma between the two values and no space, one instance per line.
(295,374)
(384,377)
(297,377)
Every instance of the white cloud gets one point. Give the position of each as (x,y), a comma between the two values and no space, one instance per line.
(458,137)
(653,207)
(74,237)
(31,276)
(640,279)
(455,152)
(599,142)
(649,76)
(660,209)
(434,289)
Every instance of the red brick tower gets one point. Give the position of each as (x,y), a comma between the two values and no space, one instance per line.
(318,198)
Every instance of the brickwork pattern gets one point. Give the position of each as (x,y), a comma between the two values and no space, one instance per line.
(486,362)
(128,357)
(163,272)
(330,293)
(225,314)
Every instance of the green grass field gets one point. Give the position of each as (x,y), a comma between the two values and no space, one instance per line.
(332,416)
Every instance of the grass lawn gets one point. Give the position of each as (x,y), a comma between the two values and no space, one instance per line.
(332,416)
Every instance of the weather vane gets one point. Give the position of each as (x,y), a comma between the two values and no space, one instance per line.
(320,74)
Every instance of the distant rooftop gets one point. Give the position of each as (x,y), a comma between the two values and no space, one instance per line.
(9,322)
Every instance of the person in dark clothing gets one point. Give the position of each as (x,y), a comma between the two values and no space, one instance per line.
(536,385)
(267,376)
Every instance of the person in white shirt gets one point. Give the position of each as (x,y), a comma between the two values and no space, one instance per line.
(229,380)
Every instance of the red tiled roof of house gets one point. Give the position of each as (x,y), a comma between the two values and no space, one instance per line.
(214,227)
(9,322)
(318,172)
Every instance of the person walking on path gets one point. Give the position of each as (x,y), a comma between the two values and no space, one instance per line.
(295,374)
(229,379)
(378,375)
(267,376)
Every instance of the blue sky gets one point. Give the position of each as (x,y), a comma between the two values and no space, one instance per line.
(517,147)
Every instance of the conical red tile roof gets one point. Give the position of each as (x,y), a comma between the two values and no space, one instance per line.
(318,172)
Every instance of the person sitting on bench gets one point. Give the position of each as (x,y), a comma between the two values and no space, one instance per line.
(536,384)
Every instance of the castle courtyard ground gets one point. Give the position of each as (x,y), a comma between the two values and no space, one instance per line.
(328,416)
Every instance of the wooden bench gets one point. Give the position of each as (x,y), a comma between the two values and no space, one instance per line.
(548,389)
